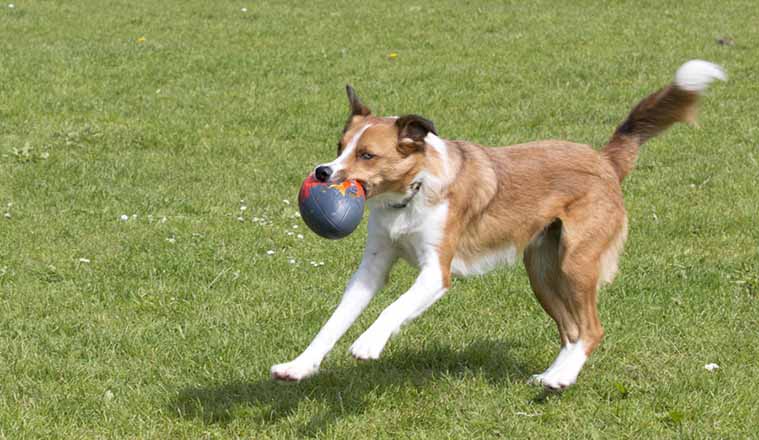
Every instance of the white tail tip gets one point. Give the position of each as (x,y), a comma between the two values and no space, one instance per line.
(696,75)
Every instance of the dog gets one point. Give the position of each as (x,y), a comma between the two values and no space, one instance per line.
(455,208)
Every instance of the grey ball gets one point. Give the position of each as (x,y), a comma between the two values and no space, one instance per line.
(331,210)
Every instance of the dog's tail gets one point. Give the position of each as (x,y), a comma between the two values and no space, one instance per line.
(677,102)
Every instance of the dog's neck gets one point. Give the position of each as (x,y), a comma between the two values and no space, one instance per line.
(431,184)
(414,190)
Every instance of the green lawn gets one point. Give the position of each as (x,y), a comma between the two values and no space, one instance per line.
(179,114)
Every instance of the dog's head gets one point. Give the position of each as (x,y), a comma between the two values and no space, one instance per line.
(384,154)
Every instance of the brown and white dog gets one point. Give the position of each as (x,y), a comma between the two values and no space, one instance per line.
(458,208)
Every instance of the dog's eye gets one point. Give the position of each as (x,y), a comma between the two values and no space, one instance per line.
(367,156)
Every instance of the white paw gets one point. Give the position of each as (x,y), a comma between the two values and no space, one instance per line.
(293,371)
(368,346)
(564,370)
(536,379)
(555,380)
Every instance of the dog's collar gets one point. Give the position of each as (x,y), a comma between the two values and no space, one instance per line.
(415,187)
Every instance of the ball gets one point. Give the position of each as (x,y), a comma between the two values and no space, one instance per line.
(332,210)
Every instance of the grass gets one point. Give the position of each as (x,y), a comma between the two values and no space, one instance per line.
(178,114)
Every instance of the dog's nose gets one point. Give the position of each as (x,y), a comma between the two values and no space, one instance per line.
(323,173)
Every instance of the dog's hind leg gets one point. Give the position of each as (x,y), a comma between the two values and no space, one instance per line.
(565,265)
(541,259)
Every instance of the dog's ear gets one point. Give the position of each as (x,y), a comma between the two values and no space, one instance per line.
(357,108)
(412,129)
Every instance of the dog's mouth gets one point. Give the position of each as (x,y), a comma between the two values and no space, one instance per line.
(364,186)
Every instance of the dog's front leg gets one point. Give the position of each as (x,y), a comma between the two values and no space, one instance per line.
(379,257)
(429,286)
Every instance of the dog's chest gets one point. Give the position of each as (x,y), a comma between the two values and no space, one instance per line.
(415,230)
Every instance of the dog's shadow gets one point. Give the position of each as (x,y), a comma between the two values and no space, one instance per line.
(343,391)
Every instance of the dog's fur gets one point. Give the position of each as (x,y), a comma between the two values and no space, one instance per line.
(457,208)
